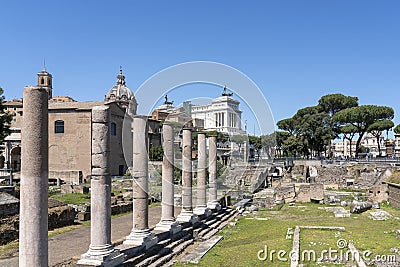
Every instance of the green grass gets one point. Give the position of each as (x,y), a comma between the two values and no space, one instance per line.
(242,242)
(154,204)
(72,198)
(395,177)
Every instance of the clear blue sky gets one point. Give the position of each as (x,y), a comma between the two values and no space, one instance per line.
(295,51)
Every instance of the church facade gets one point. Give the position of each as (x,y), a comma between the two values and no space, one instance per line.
(70,129)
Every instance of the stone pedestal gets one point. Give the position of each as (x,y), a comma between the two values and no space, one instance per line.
(101,252)
(187,214)
(140,234)
(201,207)
(212,192)
(168,222)
(33,240)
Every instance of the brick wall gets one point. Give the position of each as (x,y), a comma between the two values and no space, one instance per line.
(394,195)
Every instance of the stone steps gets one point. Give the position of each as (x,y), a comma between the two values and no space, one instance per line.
(221,225)
(163,253)
(159,249)
(205,246)
(214,225)
(162,261)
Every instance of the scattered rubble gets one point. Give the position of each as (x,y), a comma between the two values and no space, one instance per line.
(380,215)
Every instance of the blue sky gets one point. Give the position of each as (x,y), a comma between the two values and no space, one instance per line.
(295,51)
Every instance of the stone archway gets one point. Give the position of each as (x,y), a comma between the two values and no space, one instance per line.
(15,159)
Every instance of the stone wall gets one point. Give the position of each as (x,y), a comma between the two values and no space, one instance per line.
(9,205)
(61,216)
(69,177)
(332,175)
(285,193)
(394,195)
(68,189)
(378,193)
(58,217)
(310,192)
(8,229)
(265,198)
(69,150)
(121,208)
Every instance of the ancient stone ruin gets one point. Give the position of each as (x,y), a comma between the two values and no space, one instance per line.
(101,252)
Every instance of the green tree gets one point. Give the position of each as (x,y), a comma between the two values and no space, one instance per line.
(287,125)
(239,139)
(292,146)
(5,119)
(348,131)
(314,128)
(331,104)
(156,153)
(397,129)
(334,103)
(362,117)
(221,137)
(269,144)
(377,128)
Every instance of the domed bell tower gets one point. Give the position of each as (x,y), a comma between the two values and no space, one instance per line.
(45,80)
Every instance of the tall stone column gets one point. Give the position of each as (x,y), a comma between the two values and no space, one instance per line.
(212,180)
(168,222)
(33,241)
(245,151)
(187,214)
(101,252)
(201,207)
(140,234)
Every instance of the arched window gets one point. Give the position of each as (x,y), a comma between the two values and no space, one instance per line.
(113,129)
(59,126)
(42,81)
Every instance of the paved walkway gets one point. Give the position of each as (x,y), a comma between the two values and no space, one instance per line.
(74,243)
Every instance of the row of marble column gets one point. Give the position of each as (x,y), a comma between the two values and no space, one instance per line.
(100,250)
(33,241)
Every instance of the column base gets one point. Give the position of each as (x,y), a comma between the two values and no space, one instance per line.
(139,238)
(215,206)
(187,216)
(202,211)
(106,256)
(172,226)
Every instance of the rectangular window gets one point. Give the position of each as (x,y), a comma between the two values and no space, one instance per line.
(59,126)
(113,129)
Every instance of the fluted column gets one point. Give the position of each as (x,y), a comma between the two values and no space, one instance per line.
(168,222)
(186,214)
(33,241)
(212,192)
(201,206)
(101,251)
(140,234)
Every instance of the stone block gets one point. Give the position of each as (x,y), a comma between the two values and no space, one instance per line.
(61,216)
(80,189)
(101,114)
(84,216)
(308,192)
